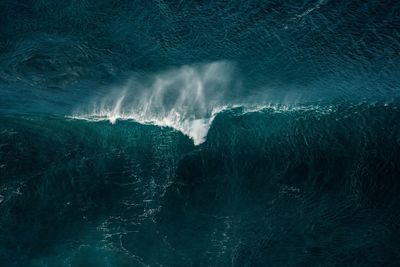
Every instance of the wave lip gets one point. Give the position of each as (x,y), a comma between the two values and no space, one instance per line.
(195,129)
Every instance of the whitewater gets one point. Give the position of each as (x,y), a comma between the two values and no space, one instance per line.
(186,99)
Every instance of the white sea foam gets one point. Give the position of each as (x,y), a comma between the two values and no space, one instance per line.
(186,99)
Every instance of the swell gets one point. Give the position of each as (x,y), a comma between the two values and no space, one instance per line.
(325,169)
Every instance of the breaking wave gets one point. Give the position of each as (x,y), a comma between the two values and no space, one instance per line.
(186,99)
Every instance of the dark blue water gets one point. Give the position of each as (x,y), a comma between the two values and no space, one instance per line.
(199,133)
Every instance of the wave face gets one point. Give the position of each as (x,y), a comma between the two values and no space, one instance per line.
(306,186)
(199,133)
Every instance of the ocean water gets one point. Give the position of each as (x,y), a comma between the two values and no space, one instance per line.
(199,133)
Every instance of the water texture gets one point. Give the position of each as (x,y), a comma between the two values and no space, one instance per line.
(199,133)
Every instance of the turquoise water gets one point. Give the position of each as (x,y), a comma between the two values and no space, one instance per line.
(186,133)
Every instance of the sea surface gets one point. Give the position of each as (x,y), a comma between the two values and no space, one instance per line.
(199,133)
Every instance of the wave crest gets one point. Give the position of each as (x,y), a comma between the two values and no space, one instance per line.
(185,99)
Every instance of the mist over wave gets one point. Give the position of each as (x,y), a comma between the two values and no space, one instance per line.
(186,99)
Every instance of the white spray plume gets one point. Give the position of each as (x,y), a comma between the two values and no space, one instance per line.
(186,99)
